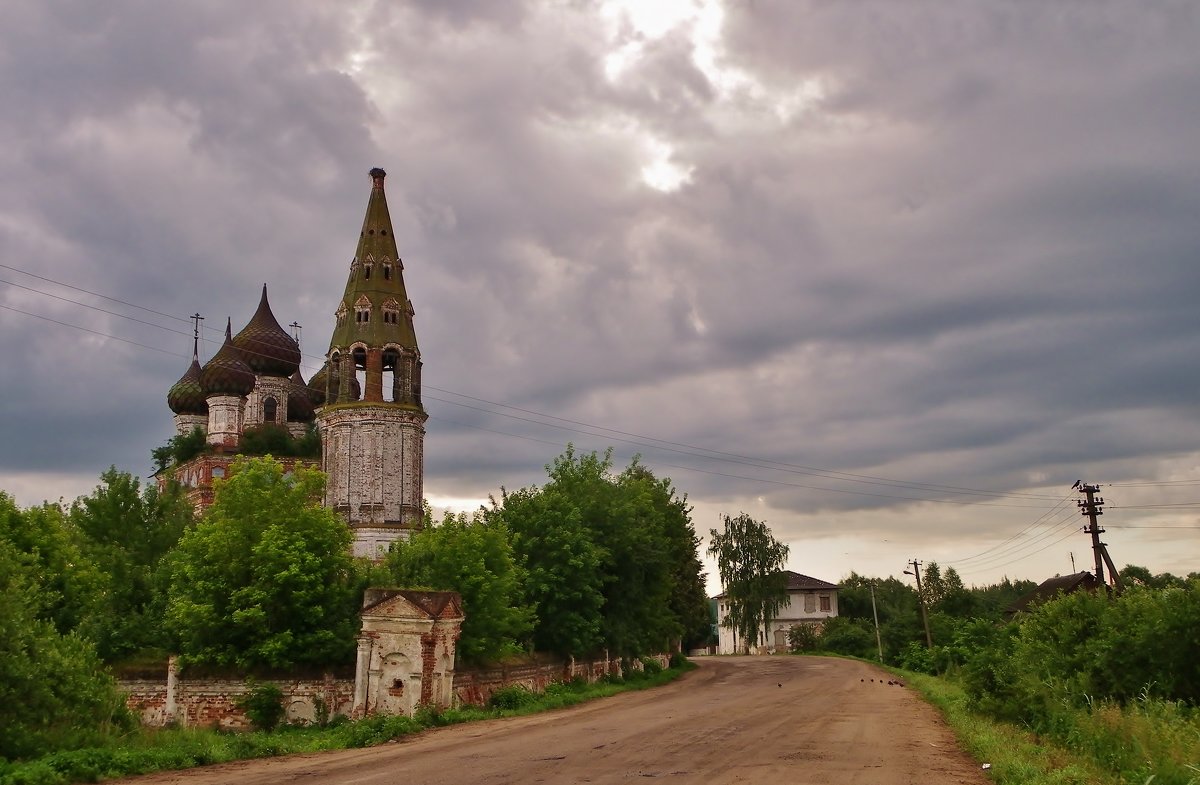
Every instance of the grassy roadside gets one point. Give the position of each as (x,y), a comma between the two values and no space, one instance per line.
(1016,756)
(148,750)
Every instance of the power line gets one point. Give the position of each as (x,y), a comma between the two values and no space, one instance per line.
(662,444)
(89,330)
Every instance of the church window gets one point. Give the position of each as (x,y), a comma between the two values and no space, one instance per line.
(362,310)
(387,272)
(391,311)
(218,472)
(270,409)
(341,314)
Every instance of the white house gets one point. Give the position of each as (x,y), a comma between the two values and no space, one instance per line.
(810,601)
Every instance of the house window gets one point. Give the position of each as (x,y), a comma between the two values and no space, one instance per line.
(825,603)
(810,603)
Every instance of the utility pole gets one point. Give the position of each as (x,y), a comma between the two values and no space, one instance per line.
(1092,508)
(916,573)
(875,613)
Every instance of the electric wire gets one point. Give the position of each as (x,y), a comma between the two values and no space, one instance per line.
(1066,521)
(669,446)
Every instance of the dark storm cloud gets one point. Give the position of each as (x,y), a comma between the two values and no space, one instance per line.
(945,244)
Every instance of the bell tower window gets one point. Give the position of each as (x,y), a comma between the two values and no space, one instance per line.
(362,310)
(391,311)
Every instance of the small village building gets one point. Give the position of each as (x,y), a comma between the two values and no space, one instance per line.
(809,601)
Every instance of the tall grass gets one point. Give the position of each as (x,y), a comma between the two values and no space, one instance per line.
(148,750)
(1149,742)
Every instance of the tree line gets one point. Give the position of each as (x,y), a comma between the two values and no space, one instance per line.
(592,561)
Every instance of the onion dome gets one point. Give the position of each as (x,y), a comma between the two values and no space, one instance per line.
(186,396)
(265,346)
(226,373)
(316,386)
(299,404)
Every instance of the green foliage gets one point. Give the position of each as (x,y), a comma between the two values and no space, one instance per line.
(651,666)
(277,440)
(179,449)
(265,579)
(127,533)
(609,561)
(513,696)
(803,637)
(473,557)
(68,585)
(53,690)
(750,562)
(263,705)
(843,635)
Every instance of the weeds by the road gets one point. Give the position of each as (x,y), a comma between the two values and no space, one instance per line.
(148,750)
(1150,743)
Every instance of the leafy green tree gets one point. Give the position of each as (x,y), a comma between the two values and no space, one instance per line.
(472,556)
(847,636)
(69,584)
(127,533)
(53,690)
(610,561)
(750,562)
(266,577)
(687,596)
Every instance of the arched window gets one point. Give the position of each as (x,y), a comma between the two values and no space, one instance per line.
(387,272)
(362,310)
(367,271)
(341,314)
(270,409)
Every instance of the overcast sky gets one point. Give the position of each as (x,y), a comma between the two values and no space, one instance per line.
(889,276)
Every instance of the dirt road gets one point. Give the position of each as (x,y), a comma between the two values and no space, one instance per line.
(735,720)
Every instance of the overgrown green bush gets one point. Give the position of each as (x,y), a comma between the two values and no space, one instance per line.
(651,666)
(513,696)
(263,705)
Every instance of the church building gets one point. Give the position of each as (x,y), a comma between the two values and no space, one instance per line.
(365,401)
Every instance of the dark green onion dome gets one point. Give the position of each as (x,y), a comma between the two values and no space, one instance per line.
(226,373)
(265,346)
(186,396)
(316,386)
(300,406)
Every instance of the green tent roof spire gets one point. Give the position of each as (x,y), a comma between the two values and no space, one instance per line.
(375,309)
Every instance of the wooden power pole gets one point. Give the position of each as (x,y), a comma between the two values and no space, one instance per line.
(1092,508)
(916,573)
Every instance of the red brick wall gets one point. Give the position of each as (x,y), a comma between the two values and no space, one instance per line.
(210,702)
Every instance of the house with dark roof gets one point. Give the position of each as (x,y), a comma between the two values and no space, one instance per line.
(810,601)
(1051,588)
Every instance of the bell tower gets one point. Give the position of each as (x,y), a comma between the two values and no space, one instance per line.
(371,419)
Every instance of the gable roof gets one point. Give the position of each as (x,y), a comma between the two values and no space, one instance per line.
(797,582)
(1051,588)
(435,604)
